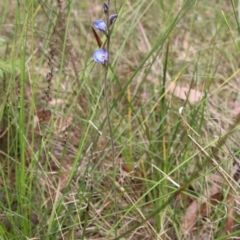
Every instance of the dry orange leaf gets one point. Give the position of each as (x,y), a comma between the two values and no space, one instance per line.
(185,93)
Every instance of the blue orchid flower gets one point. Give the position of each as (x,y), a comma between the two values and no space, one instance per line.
(100,25)
(100,56)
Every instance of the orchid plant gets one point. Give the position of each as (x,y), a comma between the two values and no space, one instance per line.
(102,56)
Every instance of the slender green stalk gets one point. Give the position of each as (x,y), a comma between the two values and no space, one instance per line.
(109,120)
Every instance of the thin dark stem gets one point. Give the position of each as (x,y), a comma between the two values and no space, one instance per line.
(108,119)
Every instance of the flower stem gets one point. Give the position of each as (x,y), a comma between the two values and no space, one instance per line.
(109,121)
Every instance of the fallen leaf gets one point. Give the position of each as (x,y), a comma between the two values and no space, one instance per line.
(190,217)
(206,208)
(236,110)
(192,213)
(43,115)
(185,93)
(230,215)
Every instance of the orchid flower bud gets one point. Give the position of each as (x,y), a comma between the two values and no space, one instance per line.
(113,18)
(105,8)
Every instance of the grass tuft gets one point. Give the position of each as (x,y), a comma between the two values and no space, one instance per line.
(146,147)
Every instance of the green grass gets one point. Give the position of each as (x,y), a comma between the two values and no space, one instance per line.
(59,178)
